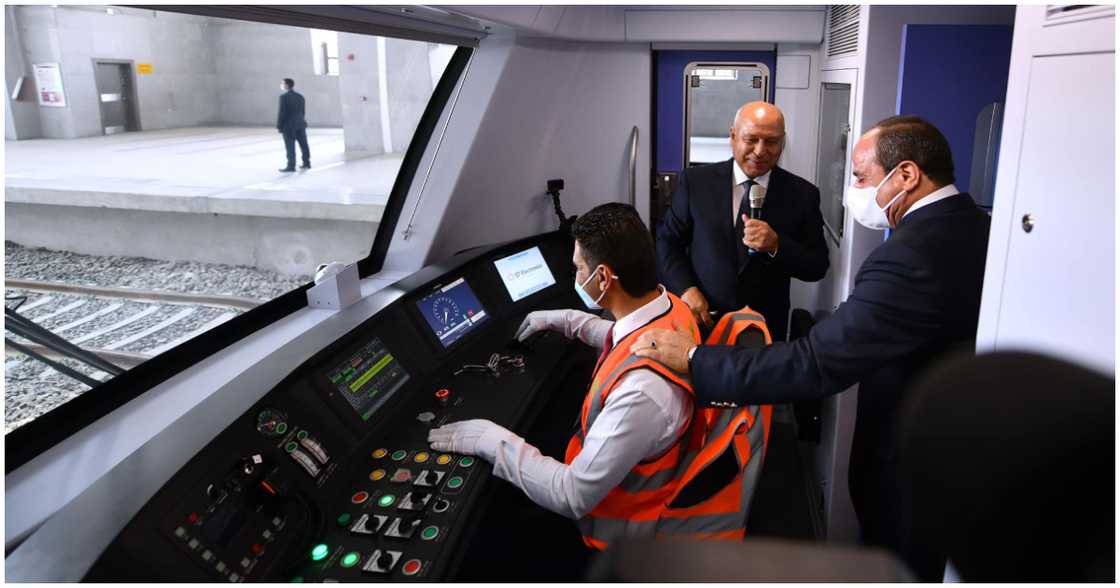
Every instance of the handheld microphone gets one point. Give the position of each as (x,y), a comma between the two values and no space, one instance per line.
(757,199)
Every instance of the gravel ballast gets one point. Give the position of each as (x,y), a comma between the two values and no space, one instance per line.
(32,388)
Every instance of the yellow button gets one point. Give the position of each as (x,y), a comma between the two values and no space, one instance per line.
(421,457)
(380,453)
(443,459)
(376,475)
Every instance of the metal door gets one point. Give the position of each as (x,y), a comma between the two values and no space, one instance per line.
(114,92)
(673,124)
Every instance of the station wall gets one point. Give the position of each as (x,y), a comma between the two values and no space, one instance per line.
(208,72)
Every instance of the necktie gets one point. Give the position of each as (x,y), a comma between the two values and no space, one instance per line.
(744,209)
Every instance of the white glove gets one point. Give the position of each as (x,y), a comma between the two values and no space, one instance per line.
(541,320)
(474,437)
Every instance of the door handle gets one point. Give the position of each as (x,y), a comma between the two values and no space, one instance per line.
(1028,222)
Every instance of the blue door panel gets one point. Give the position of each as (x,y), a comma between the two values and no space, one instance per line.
(669,98)
(947,75)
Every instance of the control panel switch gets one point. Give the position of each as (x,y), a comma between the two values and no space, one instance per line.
(315,448)
(403,528)
(382,561)
(415,501)
(368,524)
(429,478)
(305,462)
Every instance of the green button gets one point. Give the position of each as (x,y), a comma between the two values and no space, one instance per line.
(429,533)
(319,552)
(281,428)
(290,447)
(300,435)
(466,462)
(297,580)
(344,519)
(455,482)
(387,500)
(399,454)
(351,559)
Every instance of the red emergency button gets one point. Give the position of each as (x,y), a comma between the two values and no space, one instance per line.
(442,395)
(257,548)
(192,518)
(359,497)
(411,567)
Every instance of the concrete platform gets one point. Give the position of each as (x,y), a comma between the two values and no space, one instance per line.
(210,194)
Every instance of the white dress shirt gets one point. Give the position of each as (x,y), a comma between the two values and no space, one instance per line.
(935,196)
(738,191)
(642,418)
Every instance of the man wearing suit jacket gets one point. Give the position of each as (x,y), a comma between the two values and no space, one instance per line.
(702,245)
(916,296)
(292,125)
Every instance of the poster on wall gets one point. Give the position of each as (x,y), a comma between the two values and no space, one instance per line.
(48,80)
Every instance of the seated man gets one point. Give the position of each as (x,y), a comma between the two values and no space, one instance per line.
(619,470)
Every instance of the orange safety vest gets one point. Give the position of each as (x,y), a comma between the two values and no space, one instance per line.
(649,499)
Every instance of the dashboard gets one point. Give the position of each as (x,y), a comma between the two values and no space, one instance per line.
(329,477)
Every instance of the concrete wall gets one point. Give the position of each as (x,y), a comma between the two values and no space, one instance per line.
(180,91)
(21,116)
(250,59)
(285,245)
(370,68)
(204,71)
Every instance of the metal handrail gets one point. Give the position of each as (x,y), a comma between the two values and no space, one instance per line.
(633,166)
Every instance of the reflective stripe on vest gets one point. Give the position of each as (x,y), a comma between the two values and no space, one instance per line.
(640,504)
(638,500)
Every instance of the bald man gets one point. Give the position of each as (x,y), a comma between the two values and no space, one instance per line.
(704,243)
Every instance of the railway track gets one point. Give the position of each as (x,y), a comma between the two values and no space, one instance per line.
(123,326)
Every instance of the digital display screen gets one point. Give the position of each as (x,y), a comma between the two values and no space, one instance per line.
(369,377)
(524,273)
(452,311)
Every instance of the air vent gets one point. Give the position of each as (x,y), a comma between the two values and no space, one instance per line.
(843,30)
(1069,12)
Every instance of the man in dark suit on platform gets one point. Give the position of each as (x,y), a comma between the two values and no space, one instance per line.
(916,296)
(703,244)
(292,126)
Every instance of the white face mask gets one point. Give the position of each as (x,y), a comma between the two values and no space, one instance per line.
(861,203)
(590,303)
(283,87)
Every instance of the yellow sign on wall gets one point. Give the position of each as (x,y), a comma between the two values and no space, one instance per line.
(144,68)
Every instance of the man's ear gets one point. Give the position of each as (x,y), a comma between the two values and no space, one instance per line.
(911,175)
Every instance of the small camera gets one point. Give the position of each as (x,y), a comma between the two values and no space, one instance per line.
(555,185)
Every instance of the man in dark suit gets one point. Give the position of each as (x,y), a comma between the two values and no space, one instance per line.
(703,245)
(292,126)
(916,296)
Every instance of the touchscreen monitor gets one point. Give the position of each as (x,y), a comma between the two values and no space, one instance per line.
(452,311)
(368,378)
(524,273)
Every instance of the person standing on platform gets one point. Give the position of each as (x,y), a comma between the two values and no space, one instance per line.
(292,125)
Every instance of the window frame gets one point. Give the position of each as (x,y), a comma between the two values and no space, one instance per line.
(38,436)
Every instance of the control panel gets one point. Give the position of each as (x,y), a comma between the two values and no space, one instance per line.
(329,476)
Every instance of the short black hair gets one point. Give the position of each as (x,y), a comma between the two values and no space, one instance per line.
(290,82)
(614,234)
(912,138)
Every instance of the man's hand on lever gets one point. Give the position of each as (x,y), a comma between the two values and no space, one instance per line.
(540,321)
(474,437)
(668,347)
(699,305)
